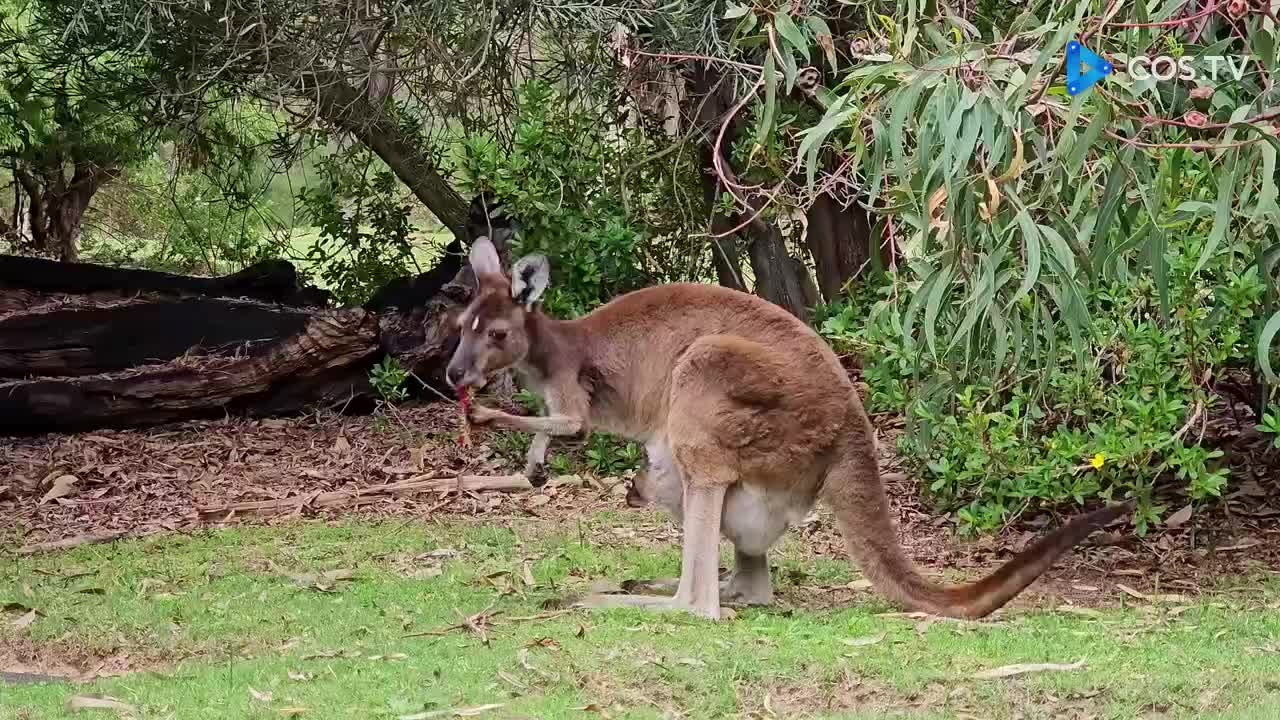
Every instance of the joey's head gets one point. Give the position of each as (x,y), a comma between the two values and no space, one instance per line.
(493,328)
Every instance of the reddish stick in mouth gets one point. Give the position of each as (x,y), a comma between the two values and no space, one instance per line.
(464,403)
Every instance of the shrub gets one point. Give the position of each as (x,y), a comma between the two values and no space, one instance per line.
(1111,427)
(561,175)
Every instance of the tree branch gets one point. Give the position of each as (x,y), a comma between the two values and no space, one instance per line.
(347,108)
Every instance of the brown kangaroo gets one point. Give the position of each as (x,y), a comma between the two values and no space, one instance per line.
(747,418)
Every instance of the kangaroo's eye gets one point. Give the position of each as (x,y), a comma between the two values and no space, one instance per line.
(498,335)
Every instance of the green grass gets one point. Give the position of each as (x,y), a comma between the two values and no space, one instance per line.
(206,618)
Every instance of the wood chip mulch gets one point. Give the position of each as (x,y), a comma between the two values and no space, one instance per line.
(106,484)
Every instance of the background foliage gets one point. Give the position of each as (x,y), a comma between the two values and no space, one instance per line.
(1058,292)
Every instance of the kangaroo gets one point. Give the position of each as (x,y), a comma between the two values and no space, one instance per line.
(747,418)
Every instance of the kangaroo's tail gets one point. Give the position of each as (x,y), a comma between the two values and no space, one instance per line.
(858,501)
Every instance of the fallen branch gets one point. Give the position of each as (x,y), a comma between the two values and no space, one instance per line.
(473,623)
(348,498)
(86,539)
(23,678)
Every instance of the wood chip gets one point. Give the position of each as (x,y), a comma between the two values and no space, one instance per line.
(1131,592)
(1179,518)
(863,641)
(99,702)
(1241,546)
(346,498)
(1025,668)
(459,712)
(62,486)
(85,539)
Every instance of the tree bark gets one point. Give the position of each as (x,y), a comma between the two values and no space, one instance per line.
(839,239)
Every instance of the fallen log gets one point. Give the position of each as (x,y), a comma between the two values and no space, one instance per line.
(325,364)
(89,340)
(130,348)
(268,281)
(348,498)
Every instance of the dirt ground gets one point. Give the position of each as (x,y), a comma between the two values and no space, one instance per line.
(179,478)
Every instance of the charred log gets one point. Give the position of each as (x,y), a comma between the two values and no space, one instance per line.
(89,347)
(90,340)
(269,281)
(325,364)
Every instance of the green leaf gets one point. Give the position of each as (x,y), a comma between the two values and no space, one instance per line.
(1267,198)
(951,131)
(1156,249)
(770,77)
(790,32)
(1265,339)
(1112,196)
(1059,248)
(745,26)
(736,11)
(789,69)
(934,305)
(1047,51)
(903,106)
(1031,240)
(930,278)
(879,150)
(820,29)
(1082,143)
(836,116)
(1000,334)
(1222,213)
(980,298)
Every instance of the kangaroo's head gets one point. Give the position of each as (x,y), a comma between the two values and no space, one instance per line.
(494,329)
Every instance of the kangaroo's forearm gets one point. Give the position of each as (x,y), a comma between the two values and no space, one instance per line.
(550,424)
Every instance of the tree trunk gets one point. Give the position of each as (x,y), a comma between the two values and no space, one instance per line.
(780,278)
(777,278)
(725,257)
(93,338)
(326,358)
(175,349)
(840,241)
(56,206)
(125,365)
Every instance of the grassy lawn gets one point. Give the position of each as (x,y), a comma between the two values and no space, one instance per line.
(226,624)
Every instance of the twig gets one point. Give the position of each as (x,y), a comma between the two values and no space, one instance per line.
(343,498)
(472,623)
(86,539)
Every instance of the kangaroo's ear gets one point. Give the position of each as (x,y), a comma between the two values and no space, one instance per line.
(484,257)
(529,278)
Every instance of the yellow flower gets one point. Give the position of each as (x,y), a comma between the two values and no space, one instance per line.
(1098,460)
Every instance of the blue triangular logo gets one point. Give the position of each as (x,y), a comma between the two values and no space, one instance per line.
(1084,68)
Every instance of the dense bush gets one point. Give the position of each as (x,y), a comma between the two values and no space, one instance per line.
(183,223)
(362,222)
(562,177)
(1106,423)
